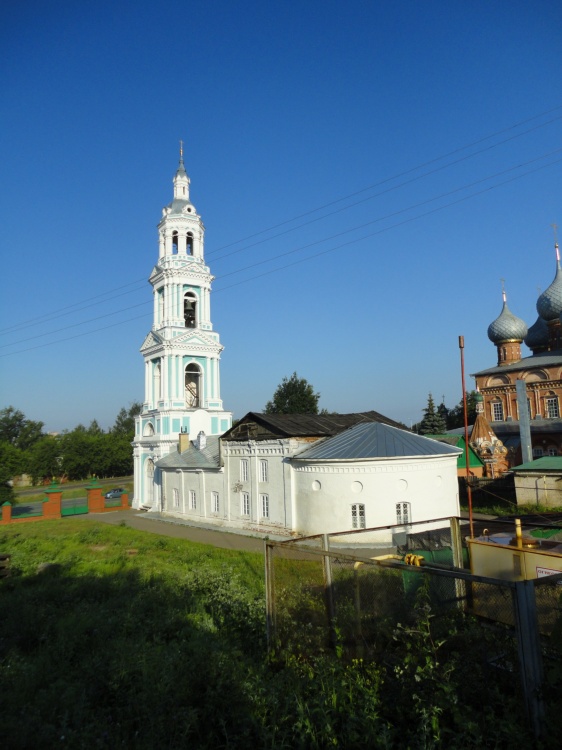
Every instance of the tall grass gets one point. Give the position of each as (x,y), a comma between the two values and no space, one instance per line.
(110,638)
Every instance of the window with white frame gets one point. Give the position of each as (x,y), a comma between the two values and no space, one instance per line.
(192,500)
(245,504)
(176,498)
(403,514)
(538,452)
(264,500)
(551,407)
(357,516)
(552,451)
(244,470)
(214,502)
(264,474)
(497,411)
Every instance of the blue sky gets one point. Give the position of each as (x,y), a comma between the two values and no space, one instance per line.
(419,143)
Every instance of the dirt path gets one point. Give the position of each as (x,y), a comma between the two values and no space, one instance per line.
(179,530)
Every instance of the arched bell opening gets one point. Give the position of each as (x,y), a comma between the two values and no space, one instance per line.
(190,310)
(192,386)
(189,243)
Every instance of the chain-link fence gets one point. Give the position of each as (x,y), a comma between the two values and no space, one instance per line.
(355,594)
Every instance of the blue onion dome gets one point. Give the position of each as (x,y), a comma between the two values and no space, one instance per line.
(537,338)
(507,326)
(549,304)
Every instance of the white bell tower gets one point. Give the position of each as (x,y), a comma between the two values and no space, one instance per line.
(181,352)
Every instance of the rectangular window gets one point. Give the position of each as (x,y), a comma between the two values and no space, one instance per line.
(245,504)
(403,515)
(551,408)
(214,502)
(176,498)
(357,516)
(264,506)
(244,470)
(552,452)
(263,471)
(192,500)
(538,453)
(497,411)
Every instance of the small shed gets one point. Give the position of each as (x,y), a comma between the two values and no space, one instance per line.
(539,482)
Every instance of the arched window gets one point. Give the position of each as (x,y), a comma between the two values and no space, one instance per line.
(497,410)
(189,310)
(189,243)
(192,386)
(174,241)
(148,430)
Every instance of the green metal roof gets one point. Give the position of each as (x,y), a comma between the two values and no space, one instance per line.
(546,463)
(458,442)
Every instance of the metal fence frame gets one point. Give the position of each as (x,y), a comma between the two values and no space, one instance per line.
(530,629)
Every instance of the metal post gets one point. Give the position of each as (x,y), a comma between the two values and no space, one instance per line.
(466,445)
(458,562)
(529,649)
(328,589)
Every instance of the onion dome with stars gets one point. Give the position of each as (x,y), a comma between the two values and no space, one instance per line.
(507,326)
(549,304)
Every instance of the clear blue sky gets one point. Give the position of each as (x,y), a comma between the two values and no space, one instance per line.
(284,108)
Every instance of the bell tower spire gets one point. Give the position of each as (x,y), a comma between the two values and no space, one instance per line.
(181,180)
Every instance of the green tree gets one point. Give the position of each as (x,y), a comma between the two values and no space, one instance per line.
(456,414)
(11,464)
(17,430)
(43,459)
(294,395)
(125,420)
(432,422)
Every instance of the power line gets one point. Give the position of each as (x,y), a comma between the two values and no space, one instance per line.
(60,312)
(406,172)
(316,255)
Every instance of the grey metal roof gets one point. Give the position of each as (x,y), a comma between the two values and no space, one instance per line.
(549,304)
(193,458)
(543,359)
(375,440)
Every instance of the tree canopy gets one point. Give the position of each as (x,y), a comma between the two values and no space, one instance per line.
(294,395)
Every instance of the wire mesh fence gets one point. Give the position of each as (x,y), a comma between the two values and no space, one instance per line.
(359,598)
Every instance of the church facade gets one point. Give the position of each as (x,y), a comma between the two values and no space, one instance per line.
(541,371)
(182,351)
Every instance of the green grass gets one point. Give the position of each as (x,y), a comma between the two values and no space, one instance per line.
(111,637)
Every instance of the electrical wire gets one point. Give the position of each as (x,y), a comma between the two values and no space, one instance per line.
(311,257)
(60,312)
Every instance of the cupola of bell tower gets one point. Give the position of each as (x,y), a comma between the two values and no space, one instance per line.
(181,180)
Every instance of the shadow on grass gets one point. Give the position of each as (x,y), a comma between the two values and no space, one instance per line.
(118,660)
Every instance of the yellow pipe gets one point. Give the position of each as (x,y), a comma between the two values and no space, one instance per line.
(518,534)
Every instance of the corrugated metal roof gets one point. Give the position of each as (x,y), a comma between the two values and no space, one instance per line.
(546,463)
(376,440)
(193,458)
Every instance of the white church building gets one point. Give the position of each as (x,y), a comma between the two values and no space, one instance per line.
(282,474)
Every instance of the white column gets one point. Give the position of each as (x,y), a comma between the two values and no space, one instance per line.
(155,312)
(147,382)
